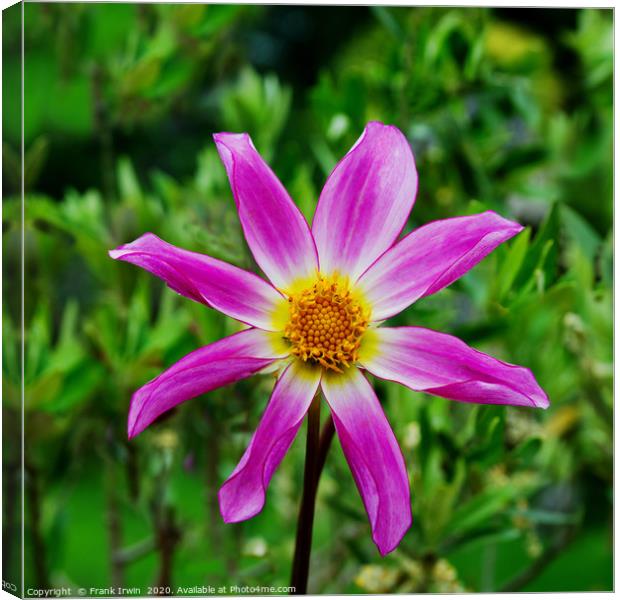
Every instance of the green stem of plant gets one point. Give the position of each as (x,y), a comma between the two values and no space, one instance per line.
(316,453)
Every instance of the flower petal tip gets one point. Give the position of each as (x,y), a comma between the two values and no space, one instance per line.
(230,518)
(226,520)
(389,544)
(532,389)
(230,144)
(116,253)
(138,244)
(508,223)
(542,400)
(384,551)
(232,509)
(223,135)
(132,429)
(515,227)
(227,516)
(225,138)
(380,125)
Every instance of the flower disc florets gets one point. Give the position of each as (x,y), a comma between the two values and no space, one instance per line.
(326,324)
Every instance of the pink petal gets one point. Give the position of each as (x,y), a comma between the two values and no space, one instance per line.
(243,494)
(223,362)
(440,364)
(274,228)
(431,258)
(365,202)
(231,290)
(373,454)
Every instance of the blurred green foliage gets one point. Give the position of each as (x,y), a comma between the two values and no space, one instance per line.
(507,110)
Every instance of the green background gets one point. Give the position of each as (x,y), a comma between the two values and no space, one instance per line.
(509,110)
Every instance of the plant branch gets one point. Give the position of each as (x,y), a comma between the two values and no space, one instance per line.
(538,566)
(114,525)
(327,434)
(134,552)
(34,514)
(168,536)
(303,542)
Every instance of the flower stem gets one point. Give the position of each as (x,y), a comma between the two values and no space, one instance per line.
(326,439)
(316,453)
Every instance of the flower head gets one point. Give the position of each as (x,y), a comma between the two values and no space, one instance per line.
(326,324)
(318,318)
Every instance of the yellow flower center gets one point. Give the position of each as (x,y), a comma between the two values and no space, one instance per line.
(326,324)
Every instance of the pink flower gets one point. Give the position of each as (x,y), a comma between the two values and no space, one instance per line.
(319,317)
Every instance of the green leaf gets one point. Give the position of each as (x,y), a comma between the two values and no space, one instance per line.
(484,506)
(511,264)
(128,184)
(580,232)
(541,256)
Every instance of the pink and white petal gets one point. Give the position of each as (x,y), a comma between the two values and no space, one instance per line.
(220,363)
(242,495)
(276,231)
(365,202)
(443,365)
(229,289)
(373,455)
(431,258)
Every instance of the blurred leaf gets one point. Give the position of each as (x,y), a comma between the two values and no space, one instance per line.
(258,105)
(541,256)
(594,40)
(34,160)
(581,232)
(512,264)
(484,506)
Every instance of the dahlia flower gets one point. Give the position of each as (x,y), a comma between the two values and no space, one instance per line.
(319,315)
